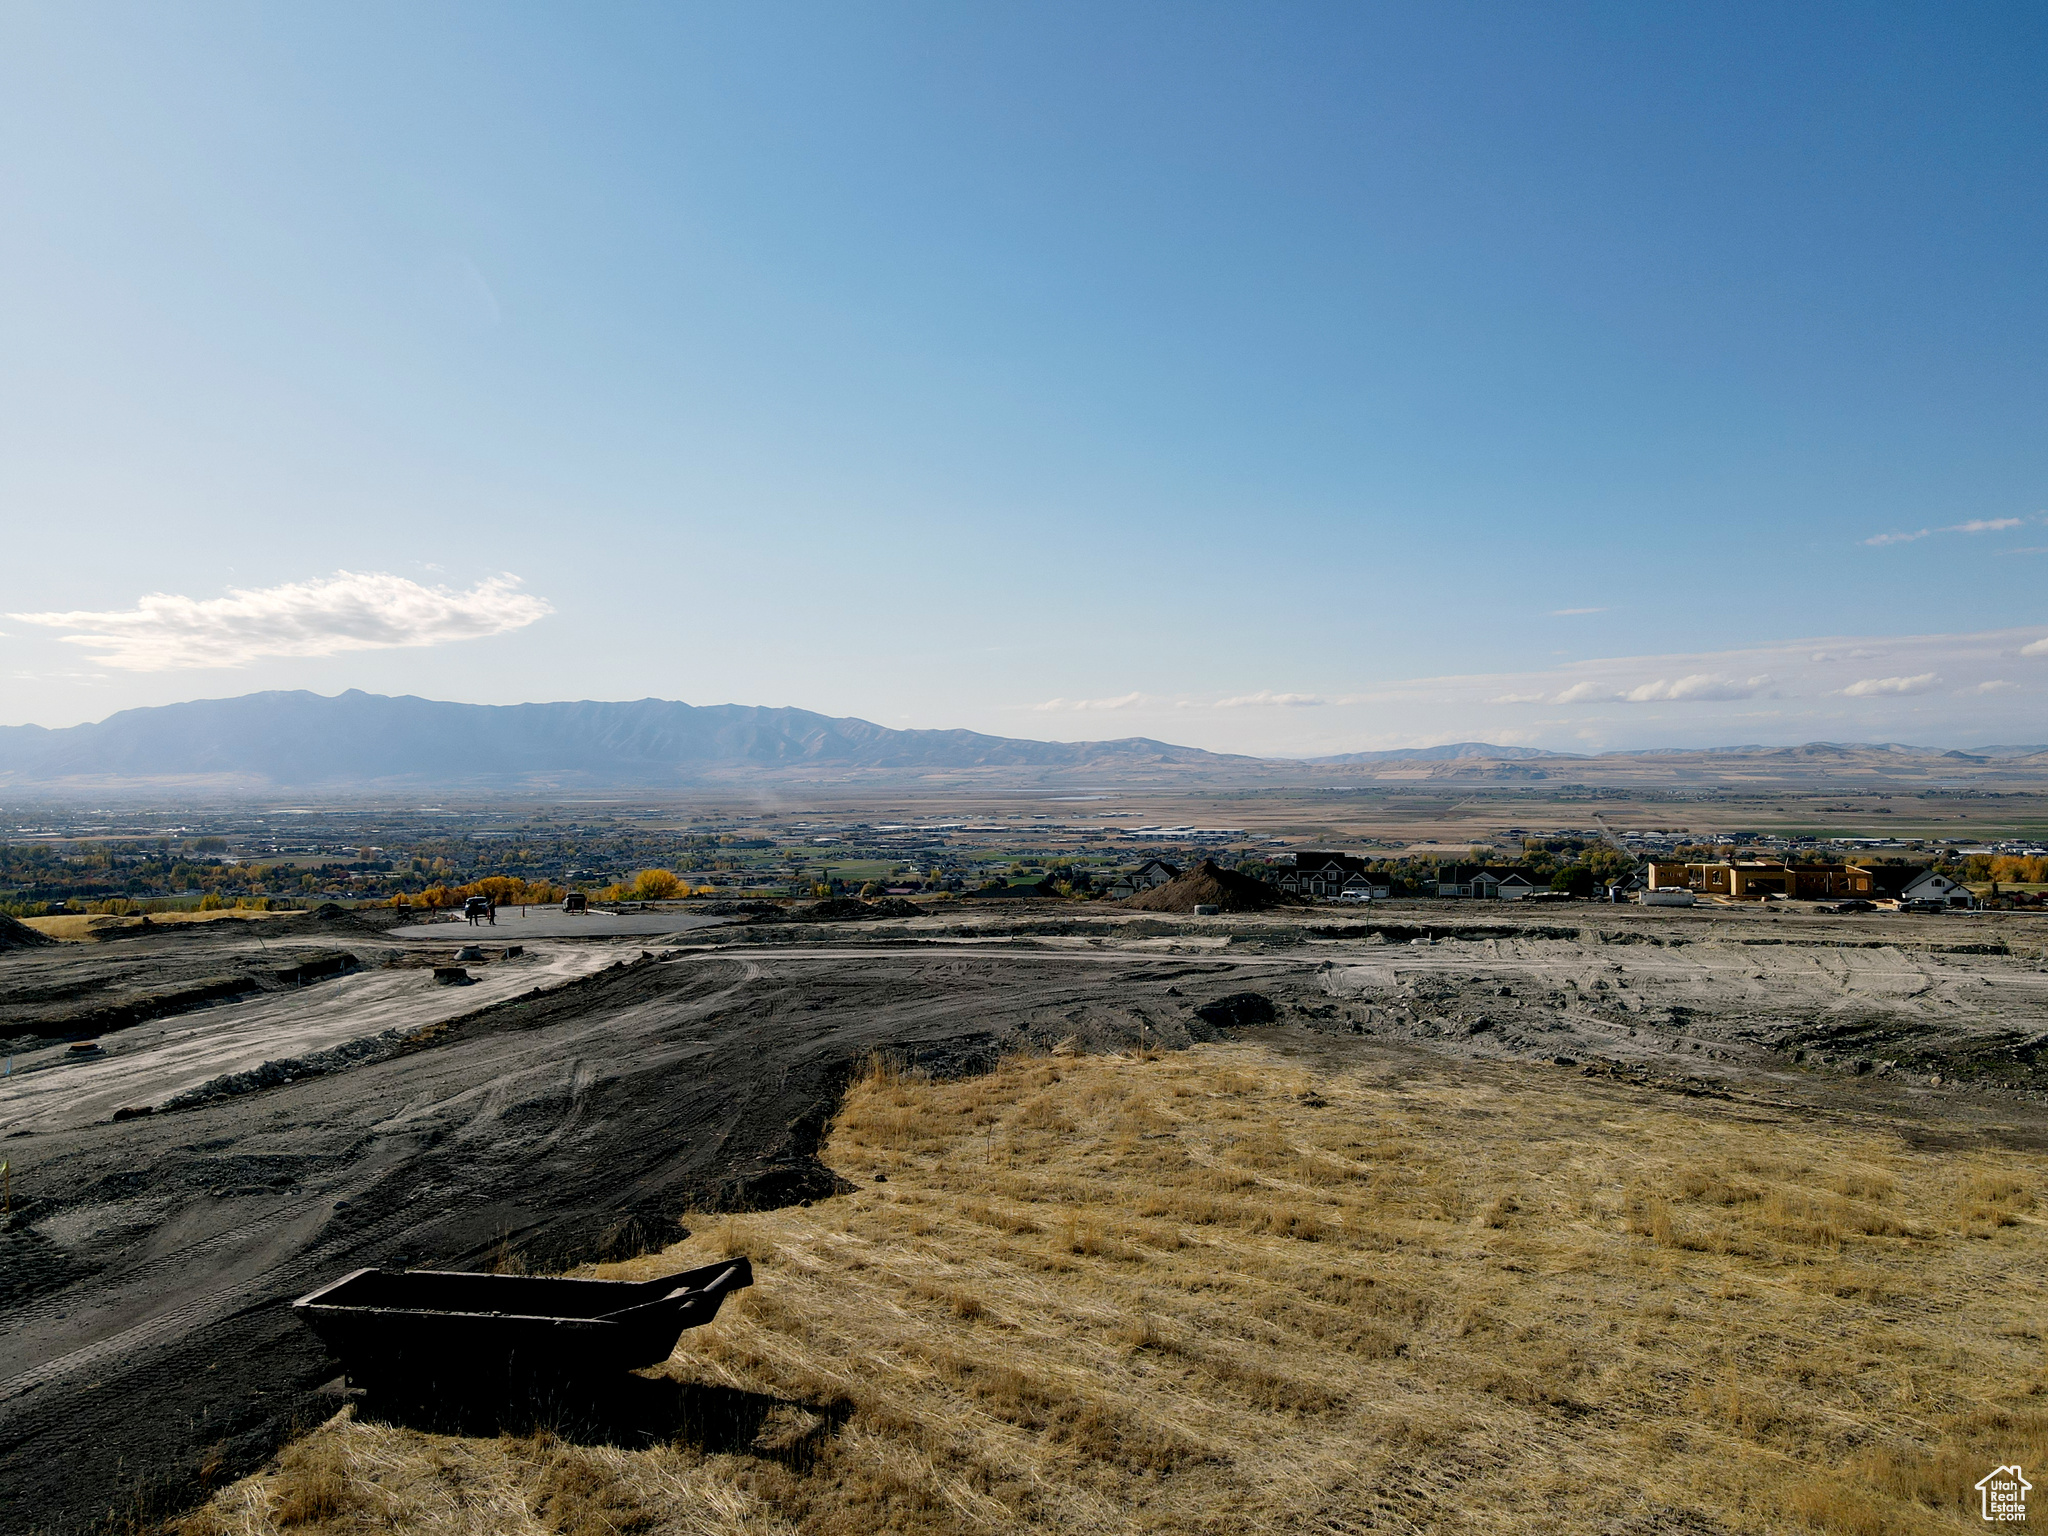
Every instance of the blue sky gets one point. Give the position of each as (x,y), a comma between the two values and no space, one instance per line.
(1272,378)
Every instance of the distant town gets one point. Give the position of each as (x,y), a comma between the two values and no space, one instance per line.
(58,861)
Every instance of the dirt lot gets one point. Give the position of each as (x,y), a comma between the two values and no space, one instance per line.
(148,1349)
(1293,1281)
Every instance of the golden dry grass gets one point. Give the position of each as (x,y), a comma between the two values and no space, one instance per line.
(78,927)
(1218,1292)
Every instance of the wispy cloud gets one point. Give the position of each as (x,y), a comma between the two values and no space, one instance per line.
(344,612)
(1975,525)
(1930,688)
(1122,701)
(1880,687)
(1565,613)
(1699,687)
(1264,697)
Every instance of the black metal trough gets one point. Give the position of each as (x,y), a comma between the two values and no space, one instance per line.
(425,1324)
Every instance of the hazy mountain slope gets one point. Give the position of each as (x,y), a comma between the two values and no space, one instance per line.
(299,738)
(1449,752)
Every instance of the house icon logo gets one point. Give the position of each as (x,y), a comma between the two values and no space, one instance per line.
(2004,1490)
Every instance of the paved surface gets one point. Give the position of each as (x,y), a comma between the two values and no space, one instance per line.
(553,923)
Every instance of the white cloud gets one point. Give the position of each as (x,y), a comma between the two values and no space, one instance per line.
(1586,693)
(344,612)
(1519,698)
(1122,701)
(1700,686)
(2038,648)
(1975,525)
(1694,687)
(1267,697)
(1994,685)
(1565,613)
(1876,687)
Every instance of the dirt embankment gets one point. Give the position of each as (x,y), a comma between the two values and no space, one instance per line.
(18,935)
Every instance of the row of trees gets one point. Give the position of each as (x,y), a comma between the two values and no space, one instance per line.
(2006,868)
(653,885)
(503,891)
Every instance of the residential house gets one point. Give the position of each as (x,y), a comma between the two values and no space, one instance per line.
(1325,874)
(1909,885)
(1483,883)
(1147,876)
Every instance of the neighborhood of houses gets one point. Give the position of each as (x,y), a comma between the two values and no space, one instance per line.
(1334,876)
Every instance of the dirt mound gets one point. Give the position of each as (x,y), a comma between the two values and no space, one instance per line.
(14,935)
(846,909)
(1240,1010)
(1208,886)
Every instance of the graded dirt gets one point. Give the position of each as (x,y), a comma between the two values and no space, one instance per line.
(148,1352)
(1292,1282)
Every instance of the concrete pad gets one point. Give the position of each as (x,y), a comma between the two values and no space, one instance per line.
(513,927)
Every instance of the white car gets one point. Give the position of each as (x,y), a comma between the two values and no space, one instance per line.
(1354,895)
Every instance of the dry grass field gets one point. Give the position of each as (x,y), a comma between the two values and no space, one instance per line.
(1242,1288)
(77,927)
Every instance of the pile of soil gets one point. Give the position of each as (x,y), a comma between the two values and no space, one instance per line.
(1239,1010)
(844,909)
(1038,888)
(14,935)
(1208,886)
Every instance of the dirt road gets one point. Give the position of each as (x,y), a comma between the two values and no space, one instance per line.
(148,1346)
(148,1063)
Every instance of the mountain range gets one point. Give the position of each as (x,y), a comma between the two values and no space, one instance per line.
(290,741)
(300,740)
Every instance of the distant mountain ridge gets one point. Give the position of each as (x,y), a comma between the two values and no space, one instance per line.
(355,741)
(288,740)
(1449,752)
